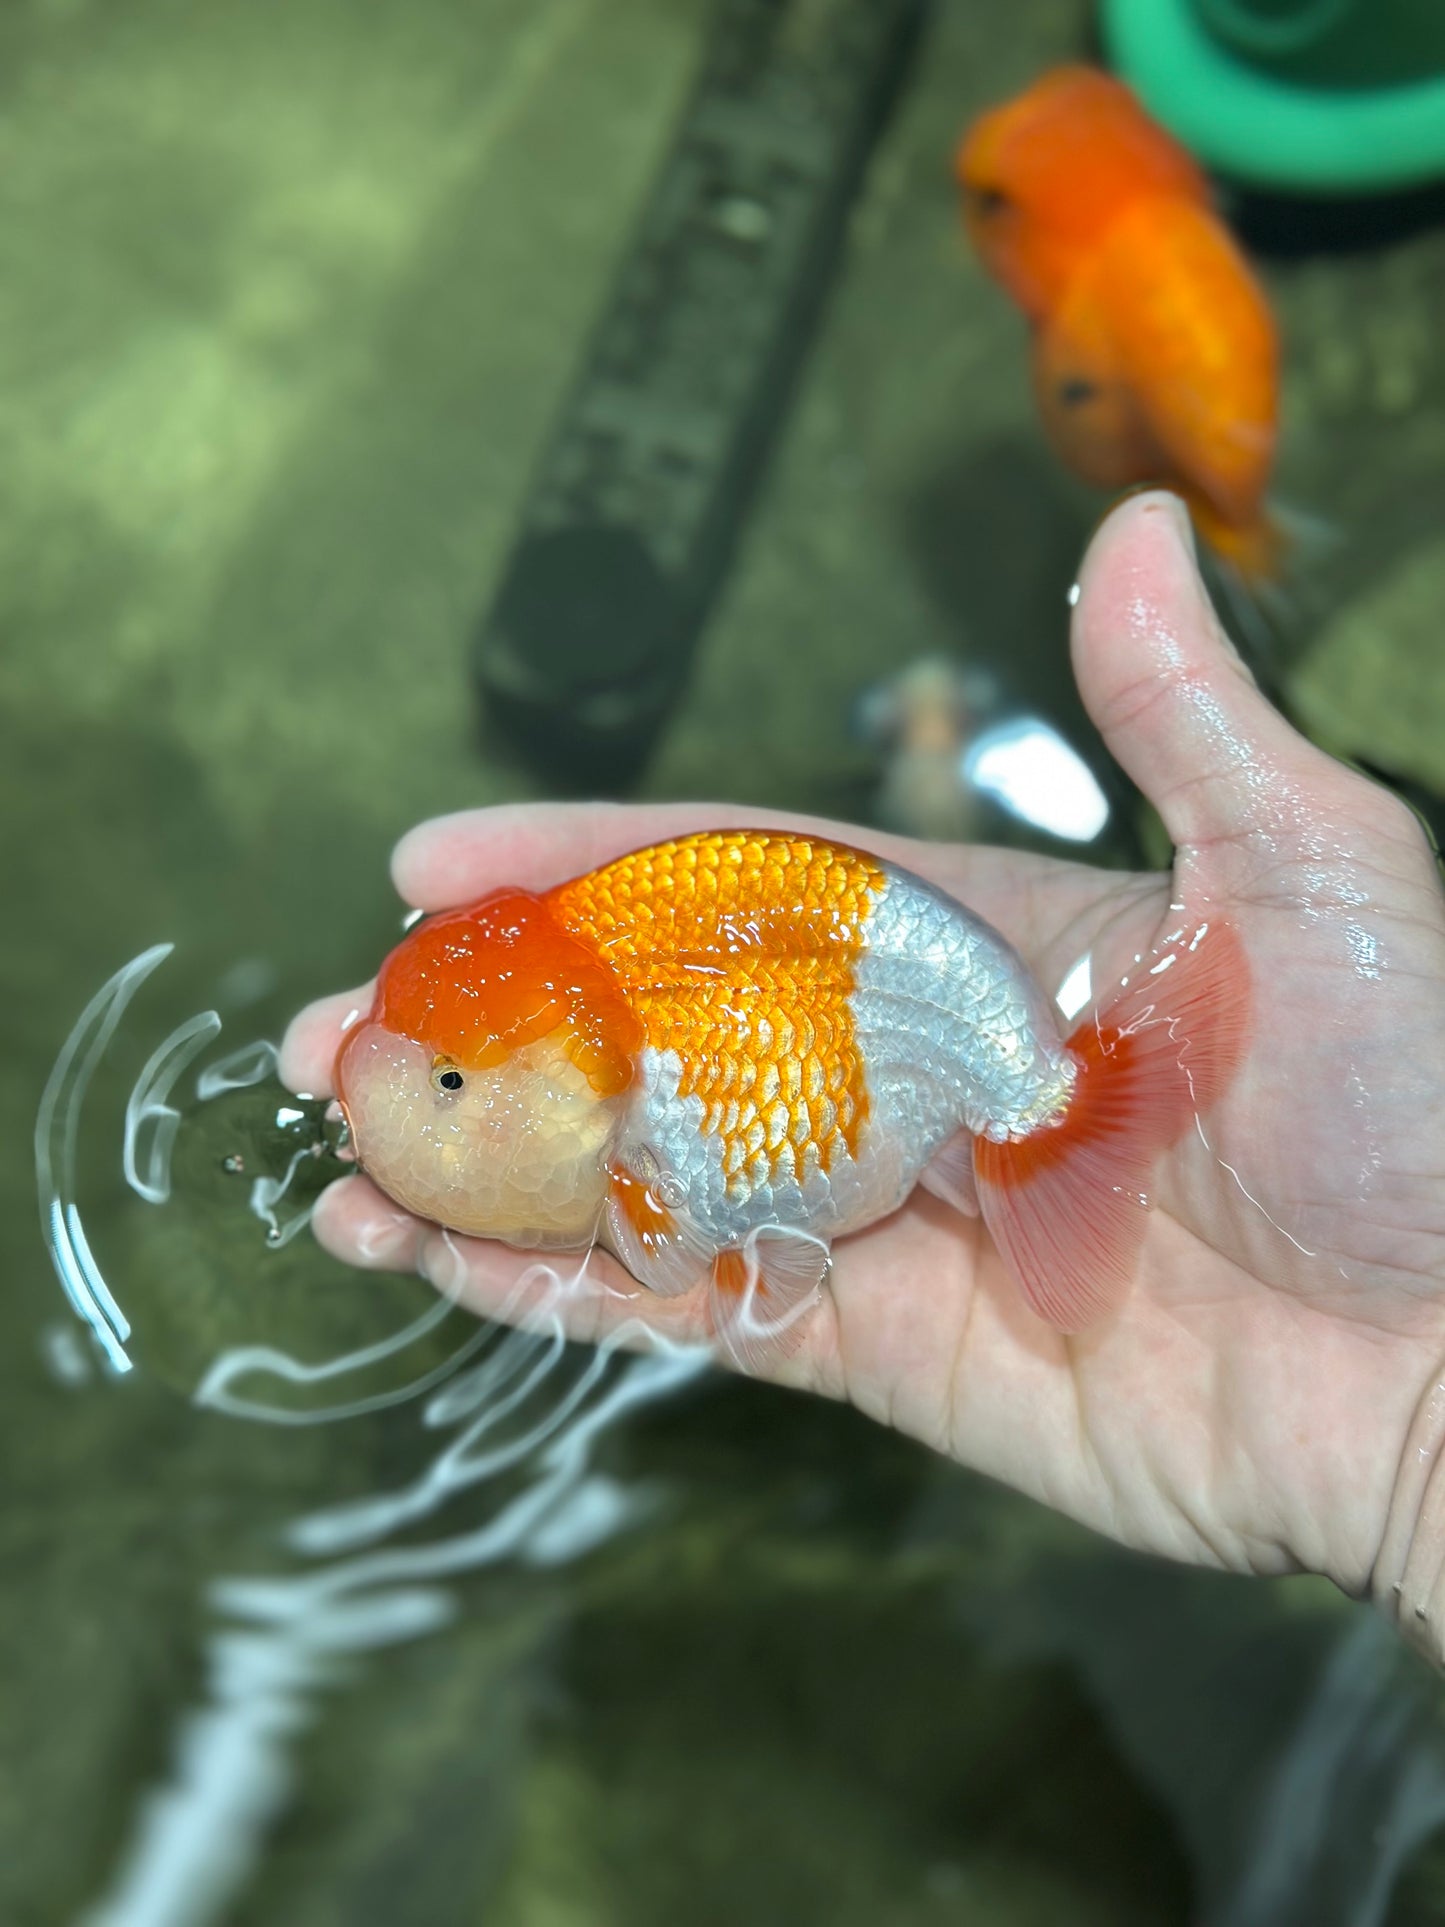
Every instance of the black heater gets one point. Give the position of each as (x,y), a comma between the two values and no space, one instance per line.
(628,527)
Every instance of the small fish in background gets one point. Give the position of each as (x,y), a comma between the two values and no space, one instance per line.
(1155,354)
(922,721)
(956,762)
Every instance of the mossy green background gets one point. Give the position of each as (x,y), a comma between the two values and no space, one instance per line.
(289,296)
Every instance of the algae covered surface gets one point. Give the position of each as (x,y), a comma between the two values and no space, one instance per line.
(290,299)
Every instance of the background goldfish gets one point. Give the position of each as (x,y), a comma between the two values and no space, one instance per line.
(1155,355)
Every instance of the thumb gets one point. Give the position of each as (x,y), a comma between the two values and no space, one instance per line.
(1177,707)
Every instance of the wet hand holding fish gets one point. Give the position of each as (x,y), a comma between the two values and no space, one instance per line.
(720,1053)
(1263,1396)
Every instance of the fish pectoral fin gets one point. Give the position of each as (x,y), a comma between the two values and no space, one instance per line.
(762,1291)
(948,1174)
(657,1241)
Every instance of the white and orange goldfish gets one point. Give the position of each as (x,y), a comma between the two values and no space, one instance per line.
(716,1055)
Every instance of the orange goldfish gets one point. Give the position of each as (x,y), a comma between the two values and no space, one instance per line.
(1155,355)
(717,1055)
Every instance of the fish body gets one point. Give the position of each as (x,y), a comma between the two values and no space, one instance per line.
(1156,356)
(719,1054)
(816,1023)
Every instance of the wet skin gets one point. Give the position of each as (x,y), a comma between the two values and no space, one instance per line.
(1254,1402)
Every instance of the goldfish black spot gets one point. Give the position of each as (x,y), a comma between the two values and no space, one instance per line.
(1074,392)
(987,200)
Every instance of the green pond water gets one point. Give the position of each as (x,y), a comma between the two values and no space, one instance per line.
(290,296)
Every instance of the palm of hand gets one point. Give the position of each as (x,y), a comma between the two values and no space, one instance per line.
(1249,1404)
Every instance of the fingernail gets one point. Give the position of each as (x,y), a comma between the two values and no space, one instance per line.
(381,1238)
(1179,517)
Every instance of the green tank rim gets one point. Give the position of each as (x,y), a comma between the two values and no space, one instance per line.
(1264,129)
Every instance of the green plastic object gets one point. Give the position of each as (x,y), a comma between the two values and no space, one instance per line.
(1334,96)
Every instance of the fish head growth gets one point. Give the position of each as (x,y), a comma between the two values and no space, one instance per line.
(486,1087)
(1044,175)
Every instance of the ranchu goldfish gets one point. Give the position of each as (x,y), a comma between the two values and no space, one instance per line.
(717,1055)
(1155,355)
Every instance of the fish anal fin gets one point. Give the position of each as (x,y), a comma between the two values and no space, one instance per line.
(948,1174)
(761,1293)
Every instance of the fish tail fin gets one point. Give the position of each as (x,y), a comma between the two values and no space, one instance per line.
(1257,551)
(1265,566)
(1067,1205)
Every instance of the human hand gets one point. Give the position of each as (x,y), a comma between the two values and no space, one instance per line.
(1267,1397)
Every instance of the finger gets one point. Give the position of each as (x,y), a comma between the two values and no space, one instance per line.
(361,1226)
(307,1057)
(587,1295)
(1175,704)
(450,859)
(590,1292)
(534,845)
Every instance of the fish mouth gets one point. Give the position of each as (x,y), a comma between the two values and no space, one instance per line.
(346,1145)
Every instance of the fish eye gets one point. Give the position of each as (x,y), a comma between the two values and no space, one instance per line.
(987,200)
(446,1077)
(1075,391)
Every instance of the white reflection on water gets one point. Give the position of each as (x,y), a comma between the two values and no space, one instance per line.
(1026,766)
(1076,992)
(151,1120)
(196,1840)
(531,1408)
(57,1126)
